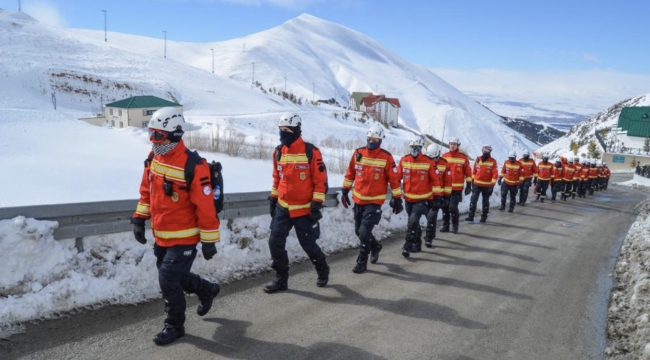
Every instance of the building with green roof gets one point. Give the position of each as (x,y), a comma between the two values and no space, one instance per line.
(133,111)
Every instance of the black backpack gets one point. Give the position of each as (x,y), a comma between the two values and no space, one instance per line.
(216,177)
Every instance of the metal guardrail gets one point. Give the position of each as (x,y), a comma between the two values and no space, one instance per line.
(600,139)
(79,220)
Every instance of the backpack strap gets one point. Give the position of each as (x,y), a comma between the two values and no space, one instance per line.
(148,160)
(193,159)
(309,151)
(278,153)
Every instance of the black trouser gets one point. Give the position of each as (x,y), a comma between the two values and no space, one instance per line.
(451,211)
(365,219)
(432,217)
(592,186)
(485,193)
(542,186)
(606,183)
(567,188)
(576,187)
(523,190)
(415,211)
(505,189)
(306,231)
(558,187)
(584,186)
(174,276)
(601,183)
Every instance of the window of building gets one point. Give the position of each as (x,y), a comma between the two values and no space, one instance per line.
(112,121)
(121,124)
(111,111)
(119,112)
(145,124)
(149,112)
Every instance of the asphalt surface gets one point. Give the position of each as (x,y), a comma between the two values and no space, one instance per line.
(533,284)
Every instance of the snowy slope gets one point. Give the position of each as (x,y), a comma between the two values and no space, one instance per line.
(584,132)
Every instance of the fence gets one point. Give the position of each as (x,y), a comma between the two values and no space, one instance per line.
(80,220)
(600,139)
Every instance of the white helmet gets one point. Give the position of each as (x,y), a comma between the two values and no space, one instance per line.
(599,164)
(544,156)
(557,160)
(290,120)
(526,153)
(604,164)
(167,119)
(487,147)
(376,131)
(512,154)
(454,140)
(569,159)
(417,141)
(433,150)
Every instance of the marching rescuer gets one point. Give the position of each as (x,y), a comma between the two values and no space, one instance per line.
(461,176)
(485,177)
(297,195)
(441,192)
(181,215)
(418,174)
(513,174)
(371,170)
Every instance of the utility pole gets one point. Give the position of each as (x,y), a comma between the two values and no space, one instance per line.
(285,82)
(212,60)
(105,37)
(335,94)
(165,32)
(313,92)
(253,82)
(19,5)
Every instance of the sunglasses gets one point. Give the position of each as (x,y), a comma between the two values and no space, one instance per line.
(157,136)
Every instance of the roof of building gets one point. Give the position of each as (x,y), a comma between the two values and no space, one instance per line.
(357,96)
(635,120)
(373,99)
(141,102)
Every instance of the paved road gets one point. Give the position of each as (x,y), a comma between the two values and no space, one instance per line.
(528,285)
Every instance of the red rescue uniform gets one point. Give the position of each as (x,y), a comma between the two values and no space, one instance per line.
(512,172)
(529,168)
(185,217)
(485,172)
(460,169)
(442,186)
(296,181)
(371,171)
(545,170)
(418,177)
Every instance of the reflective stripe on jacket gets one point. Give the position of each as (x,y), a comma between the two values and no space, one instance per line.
(544,170)
(568,172)
(529,167)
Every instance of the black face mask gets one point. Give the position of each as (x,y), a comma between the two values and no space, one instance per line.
(485,156)
(288,138)
(526,157)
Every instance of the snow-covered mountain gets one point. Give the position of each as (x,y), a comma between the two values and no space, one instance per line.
(319,59)
(585,131)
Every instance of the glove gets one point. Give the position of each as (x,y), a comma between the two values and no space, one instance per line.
(468,188)
(138,230)
(272,202)
(500,181)
(315,213)
(345,200)
(534,181)
(209,250)
(396,204)
(491,190)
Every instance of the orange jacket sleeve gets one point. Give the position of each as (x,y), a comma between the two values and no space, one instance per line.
(350,174)
(318,176)
(276,177)
(142,210)
(202,197)
(393,177)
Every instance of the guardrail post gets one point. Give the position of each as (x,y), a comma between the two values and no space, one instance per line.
(79,244)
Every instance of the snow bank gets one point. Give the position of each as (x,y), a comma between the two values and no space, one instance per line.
(628,319)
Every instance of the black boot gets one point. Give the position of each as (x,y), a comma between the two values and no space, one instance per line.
(362,263)
(279,284)
(470,217)
(322,269)
(454,228)
(375,248)
(406,249)
(444,228)
(428,243)
(416,247)
(169,334)
(483,218)
(502,207)
(206,297)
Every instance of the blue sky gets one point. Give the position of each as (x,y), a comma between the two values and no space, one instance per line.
(589,52)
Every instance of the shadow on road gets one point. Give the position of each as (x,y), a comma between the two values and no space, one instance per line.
(230,341)
(514,242)
(397,272)
(404,307)
(466,247)
(454,260)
